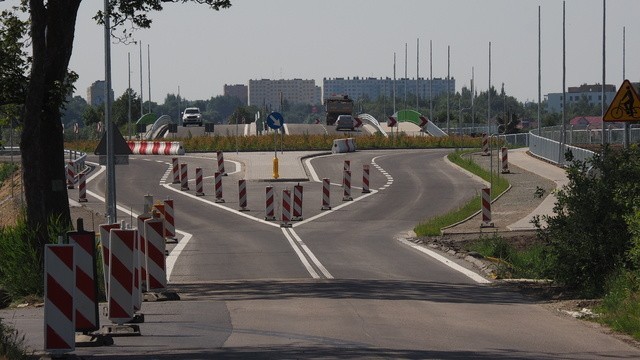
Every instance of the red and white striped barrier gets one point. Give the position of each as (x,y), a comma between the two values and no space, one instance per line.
(343,145)
(270,213)
(242,194)
(86,299)
(486,208)
(286,208)
(156,264)
(505,160)
(175,170)
(156,147)
(141,266)
(59,288)
(120,301)
(347,165)
(82,187)
(71,175)
(220,157)
(347,186)
(365,179)
(297,203)
(169,218)
(199,186)
(218,187)
(105,245)
(326,194)
(138,259)
(184,179)
(485,144)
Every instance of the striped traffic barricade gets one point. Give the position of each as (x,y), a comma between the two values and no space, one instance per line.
(486,208)
(220,158)
(286,208)
(175,170)
(504,152)
(218,187)
(59,305)
(105,244)
(297,203)
(485,144)
(169,220)
(365,179)
(242,195)
(71,175)
(184,179)
(199,186)
(347,186)
(82,187)
(326,194)
(142,249)
(270,213)
(86,298)
(156,266)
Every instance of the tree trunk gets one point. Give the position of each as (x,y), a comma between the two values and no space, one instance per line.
(42,142)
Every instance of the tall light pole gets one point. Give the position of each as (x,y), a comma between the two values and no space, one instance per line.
(110,203)
(129,95)
(627,125)
(539,72)
(604,72)
(141,88)
(489,95)
(448,75)
(430,80)
(564,89)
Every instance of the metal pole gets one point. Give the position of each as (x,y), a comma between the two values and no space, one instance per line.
(129,95)
(111,174)
(448,74)
(489,96)
(394,83)
(602,103)
(141,87)
(539,72)
(473,95)
(405,74)
(417,73)
(430,81)
(627,125)
(149,73)
(564,89)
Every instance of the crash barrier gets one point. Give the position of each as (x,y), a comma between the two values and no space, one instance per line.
(156,147)
(155,260)
(78,159)
(270,213)
(220,157)
(218,187)
(486,208)
(59,308)
(326,194)
(343,145)
(199,186)
(184,180)
(365,179)
(485,144)
(297,203)
(85,299)
(82,187)
(242,195)
(120,300)
(347,186)
(505,160)
(175,170)
(286,208)
(168,214)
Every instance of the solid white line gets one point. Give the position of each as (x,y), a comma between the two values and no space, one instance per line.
(175,253)
(327,212)
(311,255)
(303,259)
(470,274)
(312,171)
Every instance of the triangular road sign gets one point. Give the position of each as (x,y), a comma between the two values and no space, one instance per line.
(625,105)
(120,146)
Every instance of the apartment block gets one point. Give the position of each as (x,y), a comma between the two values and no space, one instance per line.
(271,92)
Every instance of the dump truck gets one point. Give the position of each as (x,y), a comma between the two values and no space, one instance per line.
(336,106)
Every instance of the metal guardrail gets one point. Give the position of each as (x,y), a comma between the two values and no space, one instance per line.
(552,151)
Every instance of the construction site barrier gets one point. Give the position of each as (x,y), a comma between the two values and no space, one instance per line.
(486,208)
(156,263)
(220,158)
(297,203)
(485,144)
(505,160)
(218,187)
(199,185)
(365,179)
(242,195)
(347,186)
(175,170)
(86,299)
(120,301)
(184,179)
(82,187)
(59,288)
(343,145)
(286,208)
(105,245)
(270,213)
(156,147)
(326,194)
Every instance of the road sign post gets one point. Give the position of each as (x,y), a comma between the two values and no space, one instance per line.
(275,121)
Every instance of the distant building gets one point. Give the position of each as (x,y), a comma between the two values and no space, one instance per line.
(591,93)
(296,91)
(95,93)
(375,88)
(239,91)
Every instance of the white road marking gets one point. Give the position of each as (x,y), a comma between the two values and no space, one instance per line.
(311,255)
(302,258)
(470,274)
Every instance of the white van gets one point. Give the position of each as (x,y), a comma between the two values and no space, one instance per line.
(345,122)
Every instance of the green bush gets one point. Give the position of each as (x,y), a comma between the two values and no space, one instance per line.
(620,307)
(11,343)
(588,236)
(6,171)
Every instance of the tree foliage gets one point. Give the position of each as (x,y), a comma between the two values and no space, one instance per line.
(590,237)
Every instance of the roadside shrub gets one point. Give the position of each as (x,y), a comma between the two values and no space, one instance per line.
(11,343)
(588,236)
(530,262)
(6,171)
(620,307)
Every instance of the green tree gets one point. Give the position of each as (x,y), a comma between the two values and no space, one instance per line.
(120,108)
(74,110)
(52,28)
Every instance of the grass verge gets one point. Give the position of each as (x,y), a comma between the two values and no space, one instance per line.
(620,307)
(432,227)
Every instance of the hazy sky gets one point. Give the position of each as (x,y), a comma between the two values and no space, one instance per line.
(200,50)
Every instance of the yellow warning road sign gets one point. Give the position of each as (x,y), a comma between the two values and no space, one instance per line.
(625,105)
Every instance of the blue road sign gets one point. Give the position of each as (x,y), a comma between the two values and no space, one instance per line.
(275,120)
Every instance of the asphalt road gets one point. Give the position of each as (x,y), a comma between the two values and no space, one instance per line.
(338,284)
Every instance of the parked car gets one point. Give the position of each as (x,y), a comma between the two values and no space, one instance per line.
(345,122)
(191,115)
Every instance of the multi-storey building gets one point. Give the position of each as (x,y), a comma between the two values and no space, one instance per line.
(591,93)
(271,92)
(238,90)
(374,88)
(95,93)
